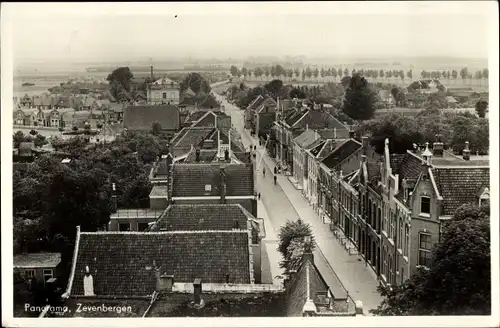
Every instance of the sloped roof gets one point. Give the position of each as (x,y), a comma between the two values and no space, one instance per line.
(165,80)
(123,263)
(193,136)
(195,217)
(307,138)
(37,260)
(459,185)
(189,180)
(206,156)
(256,102)
(143,117)
(342,152)
(188,93)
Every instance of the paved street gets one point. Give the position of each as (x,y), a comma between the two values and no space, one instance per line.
(283,202)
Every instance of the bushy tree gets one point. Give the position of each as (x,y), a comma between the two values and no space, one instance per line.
(120,78)
(481,108)
(459,279)
(297,93)
(156,128)
(359,99)
(274,88)
(294,238)
(234,70)
(196,82)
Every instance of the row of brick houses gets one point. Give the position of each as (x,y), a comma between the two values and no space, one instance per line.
(199,246)
(389,208)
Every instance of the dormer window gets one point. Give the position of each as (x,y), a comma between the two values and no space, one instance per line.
(208,188)
(484,198)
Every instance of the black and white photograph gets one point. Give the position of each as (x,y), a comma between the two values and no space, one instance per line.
(289,164)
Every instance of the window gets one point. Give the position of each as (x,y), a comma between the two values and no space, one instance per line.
(124,226)
(407,240)
(164,95)
(379,219)
(424,251)
(425,205)
(142,226)
(400,235)
(29,274)
(208,188)
(255,237)
(47,274)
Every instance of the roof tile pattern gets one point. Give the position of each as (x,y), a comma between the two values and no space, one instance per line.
(143,117)
(202,217)
(459,186)
(190,180)
(340,153)
(122,263)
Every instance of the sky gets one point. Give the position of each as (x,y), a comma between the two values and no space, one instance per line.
(94,32)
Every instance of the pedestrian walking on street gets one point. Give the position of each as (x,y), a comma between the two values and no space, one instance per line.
(259,195)
(255,148)
(264,172)
(275,179)
(275,170)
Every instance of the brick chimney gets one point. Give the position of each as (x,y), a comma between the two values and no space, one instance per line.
(466,152)
(222,186)
(351,134)
(358,305)
(197,288)
(152,76)
(438,147)
(114,202)
(164,283)
(366,144)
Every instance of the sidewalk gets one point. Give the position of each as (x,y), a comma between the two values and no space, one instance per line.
(358,279)
(270,248)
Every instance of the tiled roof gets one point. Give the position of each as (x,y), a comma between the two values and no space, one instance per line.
(122,264)
(195,116)
(295,116)
(309,282)
(243,157)
(209,102)
(206,156)
(189,180)
(316,150)
(143,117)
(37,260)
(342,152)
(396,160)
(202,217)
(318,120)
(307,138)
(410,167)
(193,136)
(256,102)
(459,186)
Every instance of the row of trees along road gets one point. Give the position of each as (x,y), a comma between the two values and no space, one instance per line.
(309,72)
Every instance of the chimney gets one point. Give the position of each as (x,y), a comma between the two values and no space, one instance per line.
(152,76)
(197,154)
(366,144)
(222,184)
(197,288)
(114,203)
(351,134)
(164,283)
(307,126)
(438,147)
(466,152)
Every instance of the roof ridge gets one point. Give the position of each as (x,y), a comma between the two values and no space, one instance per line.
(178,232)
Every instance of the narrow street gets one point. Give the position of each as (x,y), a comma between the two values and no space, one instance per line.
(283,202)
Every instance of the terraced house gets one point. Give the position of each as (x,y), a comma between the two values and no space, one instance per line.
(297,122)
(391,210)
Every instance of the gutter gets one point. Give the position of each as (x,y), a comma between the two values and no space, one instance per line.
(73,265)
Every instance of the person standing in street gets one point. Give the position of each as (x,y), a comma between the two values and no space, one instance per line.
(264,172)
(275,179)
(259,196)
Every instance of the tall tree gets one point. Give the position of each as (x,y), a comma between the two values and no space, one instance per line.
(481,108)
(308,72)
(346,72)
(195,82)
(316,73)
(464,73)
(121,75)
(454,74)
(294,238)
(485,73)
(296,71)
(359,101)
(381,73)
(234,70)
(459,280)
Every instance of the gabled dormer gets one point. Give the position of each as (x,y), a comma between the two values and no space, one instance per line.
(483,195)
